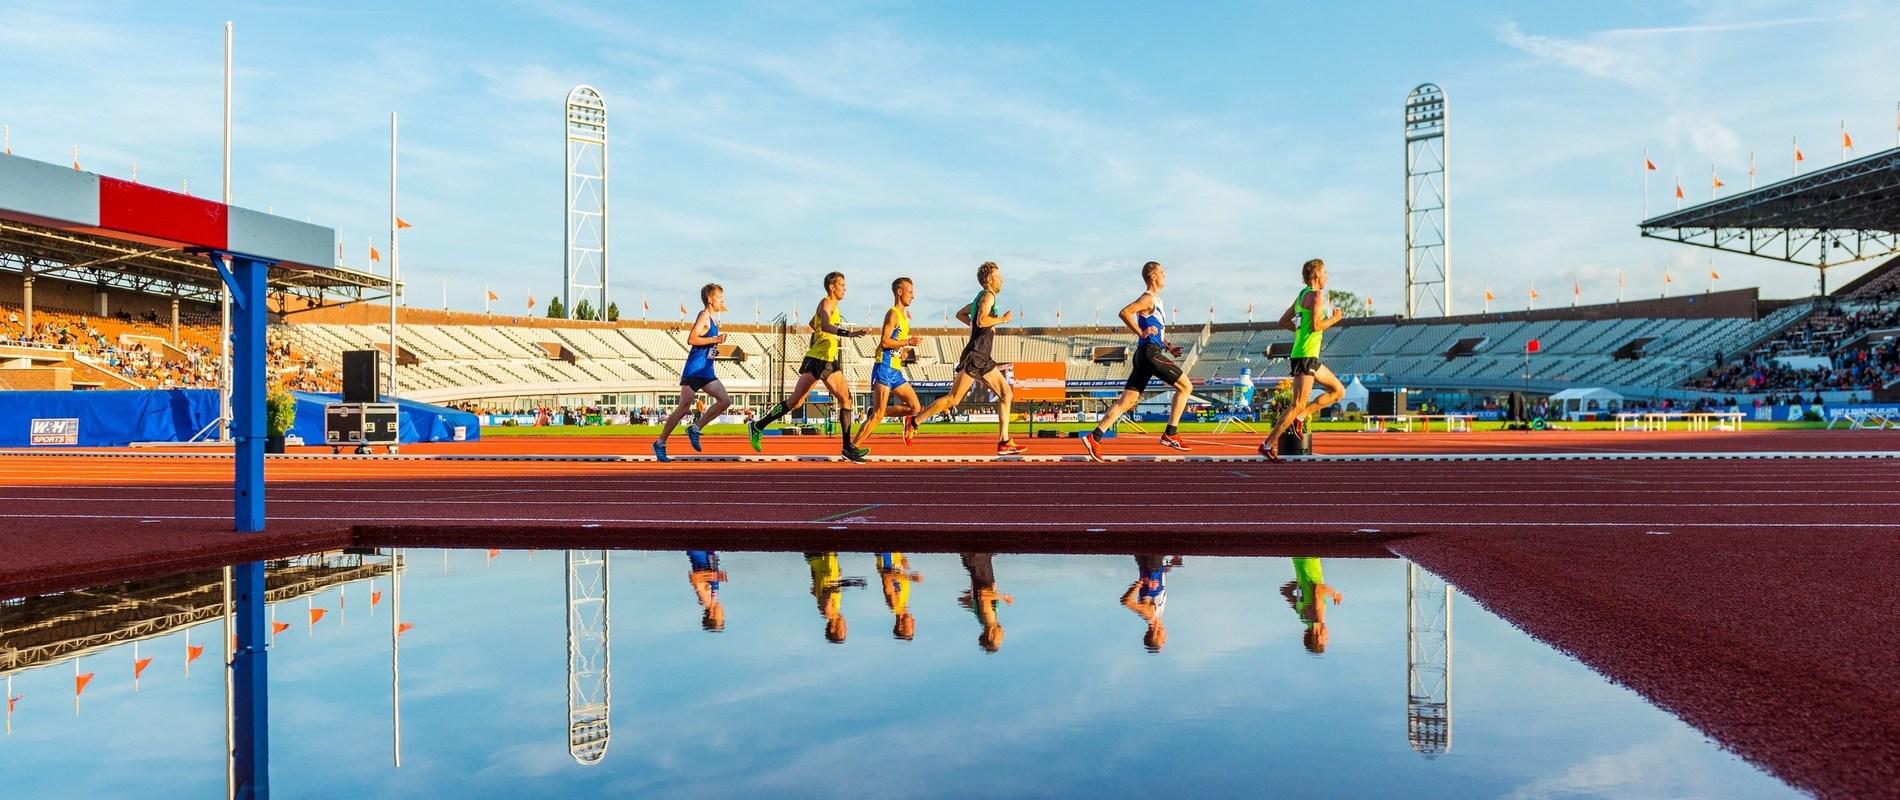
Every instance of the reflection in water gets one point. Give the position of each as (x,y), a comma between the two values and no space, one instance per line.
(894,572)
(1308,593)
(42,631)
(1427,662)
(706,578)
(1148,597)
(983,600)
(589,660)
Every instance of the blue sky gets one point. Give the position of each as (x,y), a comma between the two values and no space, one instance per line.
(761,144)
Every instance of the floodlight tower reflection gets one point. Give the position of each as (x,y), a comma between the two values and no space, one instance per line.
(1427,662)
(589,684)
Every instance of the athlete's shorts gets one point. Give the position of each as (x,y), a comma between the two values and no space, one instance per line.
(1305,366)
(887,376)
(696,382)
(1151,362)
(820,369)
(975,364)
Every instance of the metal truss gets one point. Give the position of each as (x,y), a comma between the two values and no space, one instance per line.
(1427,662)
(1829,217)
(589,661)
(585,259)
(1427,202)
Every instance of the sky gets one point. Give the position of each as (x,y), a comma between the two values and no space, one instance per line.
(761,144)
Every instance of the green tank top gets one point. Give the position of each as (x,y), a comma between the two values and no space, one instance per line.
(1305,339)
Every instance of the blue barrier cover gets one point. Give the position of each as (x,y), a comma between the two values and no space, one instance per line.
(104,418)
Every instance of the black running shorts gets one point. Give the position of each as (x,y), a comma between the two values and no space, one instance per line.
(1304,366)
(975,364)
(1151,362)
(818,368)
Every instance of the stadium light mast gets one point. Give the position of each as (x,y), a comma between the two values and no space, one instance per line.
(1427,662)
(1427,202)
(589,658)
(584,265)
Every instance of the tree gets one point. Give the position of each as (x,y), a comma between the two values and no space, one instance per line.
(1347,303)
(584,310)
(613,312)
(556,310)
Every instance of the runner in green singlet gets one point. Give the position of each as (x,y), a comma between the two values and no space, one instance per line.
(1308,319)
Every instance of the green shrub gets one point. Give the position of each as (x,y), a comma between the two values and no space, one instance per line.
(280,412)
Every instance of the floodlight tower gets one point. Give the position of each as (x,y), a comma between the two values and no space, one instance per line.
(1427,662)
(1427,203)
(589,661)
(584,272)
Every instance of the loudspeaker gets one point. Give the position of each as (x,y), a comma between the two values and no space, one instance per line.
(1296,443)
(362,376)
(1381,402)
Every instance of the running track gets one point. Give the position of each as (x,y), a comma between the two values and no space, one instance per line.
(1751,596)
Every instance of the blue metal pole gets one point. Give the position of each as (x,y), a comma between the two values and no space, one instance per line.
(250,700)
(248,387)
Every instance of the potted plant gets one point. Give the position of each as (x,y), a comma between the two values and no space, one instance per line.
(280,414)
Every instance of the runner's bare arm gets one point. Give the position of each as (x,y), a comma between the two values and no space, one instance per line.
(697,336)
(890,327)
(1321,319)
(1130,312)
(984,317)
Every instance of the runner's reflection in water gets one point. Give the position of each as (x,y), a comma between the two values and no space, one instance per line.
(827,587)
(894,572)
(1148,597)
(707,577)
(983,600)
(1307,593)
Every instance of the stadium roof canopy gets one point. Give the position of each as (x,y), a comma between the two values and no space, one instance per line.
(64,223)
(1831,216)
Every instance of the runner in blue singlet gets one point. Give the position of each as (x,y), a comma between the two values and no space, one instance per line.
(697,375)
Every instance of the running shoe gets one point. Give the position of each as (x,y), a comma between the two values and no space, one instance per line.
(1092,447)
(752,430)
(1010,448)
(659,451)
(1269,453)
(1299,427)
(692,437)
(856,455)
(1171,440)
(910,430)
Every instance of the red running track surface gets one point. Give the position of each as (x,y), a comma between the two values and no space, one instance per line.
(1751,597)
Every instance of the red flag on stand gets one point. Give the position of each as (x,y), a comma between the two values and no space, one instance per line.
(1533,346)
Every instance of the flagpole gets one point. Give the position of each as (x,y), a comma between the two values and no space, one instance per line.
(1843,141)
(224,290)
(1711,274)
(1794,158)
(395,271)
(1619,284)
(1678,191)
(1646,171)
(486,302)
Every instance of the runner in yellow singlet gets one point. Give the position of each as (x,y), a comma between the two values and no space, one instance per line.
(893,570)
(823,363)
(887,375)
(1308,319)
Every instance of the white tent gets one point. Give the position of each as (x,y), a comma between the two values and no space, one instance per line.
(1356,396)
(1572,403)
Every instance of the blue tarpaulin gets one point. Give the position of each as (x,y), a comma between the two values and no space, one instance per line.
(104,418)
(117,418)
(421,422)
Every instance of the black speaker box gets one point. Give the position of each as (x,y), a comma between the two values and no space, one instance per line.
(362,376)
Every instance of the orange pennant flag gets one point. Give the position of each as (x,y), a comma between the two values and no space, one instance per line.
(1668,278)
(192,652)
(138,667)
(79,683)
(1649,165)
(279,627)
(492,552)
(1714,276)
(531,301)
(492,296)
(1678,191)
(1797,155)
(375,597)
(1718,181)
(373,255)
(400,224)
(13,701)
(1847,141)
(1533,294)
(1488,296)
(1576,289)
(404,628)
(317,614)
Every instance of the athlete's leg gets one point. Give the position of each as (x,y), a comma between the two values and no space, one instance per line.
(679,412)
(959,387)
(1122,405)
(1183,389)
(994,380)
(841,397)
(910,405)
(790,404)
(720,402)
(1331,390)
(880,397)
(1302,388)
